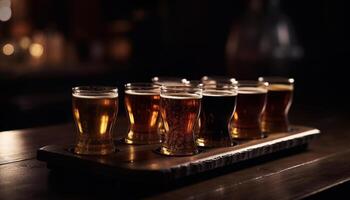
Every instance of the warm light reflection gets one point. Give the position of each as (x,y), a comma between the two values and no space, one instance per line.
(10,143)
(24,42)
(8,49)
(154,118)
(77,117)
(190,125)
(131,116)
(132,154)
(36,50)
(104,123)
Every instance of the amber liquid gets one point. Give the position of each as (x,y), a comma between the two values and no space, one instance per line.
(143,112)
(179,114)
(95,117)
(275,116)
(247,116)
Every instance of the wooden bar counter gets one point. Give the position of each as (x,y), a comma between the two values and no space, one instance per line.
(322,170)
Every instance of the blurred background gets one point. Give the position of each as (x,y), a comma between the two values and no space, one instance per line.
(46,47)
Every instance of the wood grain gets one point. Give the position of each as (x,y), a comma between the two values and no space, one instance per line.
(321,168)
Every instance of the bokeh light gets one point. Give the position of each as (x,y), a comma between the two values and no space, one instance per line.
(36,50)
(8,49)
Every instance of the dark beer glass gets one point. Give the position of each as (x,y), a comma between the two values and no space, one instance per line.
(142,106)
(211,81)
(180,107)
(218,105)
(279,100)
(251,101)
(95,112)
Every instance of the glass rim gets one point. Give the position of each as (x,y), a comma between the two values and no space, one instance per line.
(276,79)
(142,88)
(168,79)
(193,91)
(142,85)
(220,86)
(182,86)
(218,79)
(252,83)
(95,91)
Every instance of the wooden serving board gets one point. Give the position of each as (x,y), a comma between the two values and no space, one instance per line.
(137,162)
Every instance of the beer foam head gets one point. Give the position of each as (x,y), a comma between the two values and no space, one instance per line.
(181,96)
(280,87)
(142,92)
(218,93)
(251,90)
(95,96)
(95,92)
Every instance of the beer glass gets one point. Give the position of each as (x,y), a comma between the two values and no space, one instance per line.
(279,100)
(95,112)
(211,81)
(180,107)
(218,104)
(251,101)
(164,80)
(142,106)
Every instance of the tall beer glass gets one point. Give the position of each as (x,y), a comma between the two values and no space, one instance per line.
(142,106)
(95,112)
(279,100)
(180,107)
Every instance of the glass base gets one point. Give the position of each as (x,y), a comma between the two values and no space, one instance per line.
(275,127)
(206,142)
(102,149)
(246,133)
(142,138)
(168,152)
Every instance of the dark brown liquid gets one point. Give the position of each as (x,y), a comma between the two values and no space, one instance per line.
(275,116)
(94,118)
(246,119)
(215,117)
(143,112)
(179,115)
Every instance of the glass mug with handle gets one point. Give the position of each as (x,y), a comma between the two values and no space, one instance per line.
(95,110)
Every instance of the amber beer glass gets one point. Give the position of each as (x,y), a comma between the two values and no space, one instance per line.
(251,101)
(142,106)
(164,80)
(279,100)
(95,112)
(180,107)
(218,104)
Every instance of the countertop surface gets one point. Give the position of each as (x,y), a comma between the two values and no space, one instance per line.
(323,169)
